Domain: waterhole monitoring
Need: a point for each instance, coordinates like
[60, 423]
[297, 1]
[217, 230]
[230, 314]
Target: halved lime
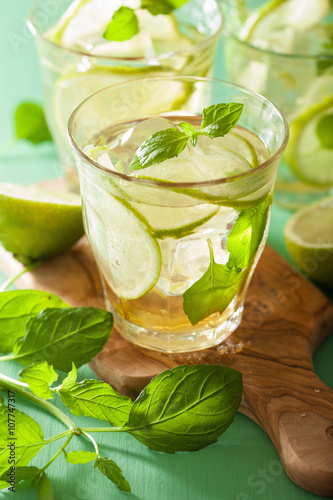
[309, 239]
[36, 223]
[127, 253]
[309, 159]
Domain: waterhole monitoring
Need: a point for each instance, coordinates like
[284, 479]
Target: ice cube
[84, 18]
[185, 261]
[125, 147]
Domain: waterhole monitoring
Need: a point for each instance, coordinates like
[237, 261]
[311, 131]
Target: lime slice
[309, 159]
[74, 88]
[84, 17]
[272, 22]
[37, 224]
[197, 168]
[128, 255]
[309, 239]
[176, 222]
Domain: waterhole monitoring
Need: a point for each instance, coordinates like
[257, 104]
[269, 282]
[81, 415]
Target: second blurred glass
[75, 64]
[283, 50]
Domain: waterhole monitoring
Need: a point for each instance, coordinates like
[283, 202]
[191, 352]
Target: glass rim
[223, 180]
[158, 57]
[304, 57]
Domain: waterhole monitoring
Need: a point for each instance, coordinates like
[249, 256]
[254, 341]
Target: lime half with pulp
[309, 239]
[36, 224]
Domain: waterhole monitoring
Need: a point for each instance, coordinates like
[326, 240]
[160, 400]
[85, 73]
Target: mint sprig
[217, 121]
[183, 409]
[125, 23]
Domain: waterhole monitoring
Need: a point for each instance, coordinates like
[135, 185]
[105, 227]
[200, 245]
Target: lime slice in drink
[176, 222]
[276, 22]
[36, 223]
[309, 153]
[72, 89]
[127, 253]
[309, 239]
[84, 22]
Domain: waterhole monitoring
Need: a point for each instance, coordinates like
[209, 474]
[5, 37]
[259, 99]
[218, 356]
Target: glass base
[178, 342]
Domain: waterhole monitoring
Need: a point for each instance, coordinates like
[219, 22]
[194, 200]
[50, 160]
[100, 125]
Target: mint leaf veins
[217, 121]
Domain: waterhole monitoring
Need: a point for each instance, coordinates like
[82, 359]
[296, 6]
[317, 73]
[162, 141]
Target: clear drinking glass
[154, 239]
[283, 50]
[70, 75]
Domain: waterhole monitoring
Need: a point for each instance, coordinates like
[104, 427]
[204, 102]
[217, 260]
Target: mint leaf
[96, 399]
[30, 123]
[156, 7]
[44, 488]
[39, 377]
[123, 26]
[213, 292]
[186, 408]
[324, 131]
[79, 457]
[21, 474]
[159, 147]
[63, 336]
[29, 439]
[70, 380]
[247, 233]
[16, 308]
[111, 470]
[219, 119]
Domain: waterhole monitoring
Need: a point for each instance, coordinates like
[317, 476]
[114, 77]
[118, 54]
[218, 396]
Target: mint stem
[93, 442]
[101, 429]
[22, 389]
[12, 279]
[58, 452]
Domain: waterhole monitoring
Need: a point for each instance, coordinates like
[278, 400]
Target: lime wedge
[308, 157]
[309, 239]
[36, 223]
[127, 253]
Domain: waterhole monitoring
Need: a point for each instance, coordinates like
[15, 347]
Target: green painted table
[243, 464]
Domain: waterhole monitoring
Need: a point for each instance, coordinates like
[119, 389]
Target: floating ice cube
[185, 261]
[124, 147]
[84, 18]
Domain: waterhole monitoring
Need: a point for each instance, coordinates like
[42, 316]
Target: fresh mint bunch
[217, 121]
[125, 24]
[183, 409]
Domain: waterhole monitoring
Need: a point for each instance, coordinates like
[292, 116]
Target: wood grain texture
[285, 320]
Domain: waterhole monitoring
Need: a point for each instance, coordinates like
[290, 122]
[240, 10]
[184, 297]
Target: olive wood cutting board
[285, 320]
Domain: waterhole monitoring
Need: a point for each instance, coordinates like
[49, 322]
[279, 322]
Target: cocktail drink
[77, 60]
[283, 49]
[177, 240]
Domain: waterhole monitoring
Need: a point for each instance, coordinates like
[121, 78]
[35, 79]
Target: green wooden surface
[243, 464]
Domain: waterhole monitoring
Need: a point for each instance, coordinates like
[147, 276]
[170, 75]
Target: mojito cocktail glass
[76, 61]
[177, 242]
[283, 50]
